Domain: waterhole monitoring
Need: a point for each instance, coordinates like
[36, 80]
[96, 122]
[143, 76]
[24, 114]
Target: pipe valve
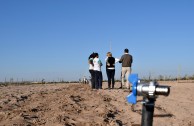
[149, 90]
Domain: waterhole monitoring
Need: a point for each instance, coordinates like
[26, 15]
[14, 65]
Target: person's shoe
[120, 87]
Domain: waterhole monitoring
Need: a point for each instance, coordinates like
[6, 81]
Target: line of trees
[169, 78]
[159, 78]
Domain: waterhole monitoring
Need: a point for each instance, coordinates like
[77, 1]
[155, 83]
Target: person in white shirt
[91, 69]
[97, 70]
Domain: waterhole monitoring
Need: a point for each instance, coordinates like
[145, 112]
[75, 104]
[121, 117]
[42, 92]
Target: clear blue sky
[52, 39]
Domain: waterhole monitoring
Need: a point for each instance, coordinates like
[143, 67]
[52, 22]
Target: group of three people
[96, 73]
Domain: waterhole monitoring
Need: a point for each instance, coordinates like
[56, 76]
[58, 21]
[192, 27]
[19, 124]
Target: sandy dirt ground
[78, 105]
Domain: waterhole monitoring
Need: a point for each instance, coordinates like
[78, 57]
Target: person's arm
[100, 62]
[90, 61]
[114, 62]
[107, 62]
[121, 60]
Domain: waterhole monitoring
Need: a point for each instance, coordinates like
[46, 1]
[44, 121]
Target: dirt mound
[79, 105]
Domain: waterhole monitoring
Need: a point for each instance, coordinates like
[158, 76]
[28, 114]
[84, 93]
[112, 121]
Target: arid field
[79, 105]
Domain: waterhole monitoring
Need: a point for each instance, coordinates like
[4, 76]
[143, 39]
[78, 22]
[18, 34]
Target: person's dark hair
[95, 54]
[126, 50]
[92, 55]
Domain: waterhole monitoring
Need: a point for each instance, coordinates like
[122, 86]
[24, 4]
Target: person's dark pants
[101, 79]
[98, 79]
[110, 74]
[92, 78]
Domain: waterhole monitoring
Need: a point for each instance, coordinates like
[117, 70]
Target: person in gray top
[126, 61]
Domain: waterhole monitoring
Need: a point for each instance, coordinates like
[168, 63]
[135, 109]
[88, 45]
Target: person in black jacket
[110, 69]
